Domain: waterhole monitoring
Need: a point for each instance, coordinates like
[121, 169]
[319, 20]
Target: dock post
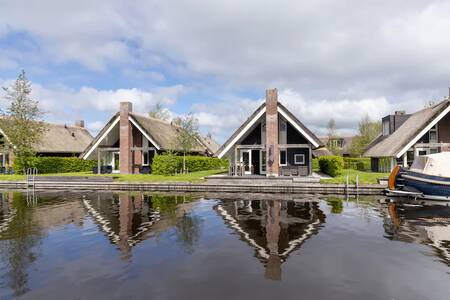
[357, 185]
[346, 185]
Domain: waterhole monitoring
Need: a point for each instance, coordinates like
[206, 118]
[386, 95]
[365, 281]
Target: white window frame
[285, 158]
[301, 162]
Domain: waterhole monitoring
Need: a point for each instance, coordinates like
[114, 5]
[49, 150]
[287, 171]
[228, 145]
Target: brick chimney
[79, 123]
[272, 132]
[125, 138]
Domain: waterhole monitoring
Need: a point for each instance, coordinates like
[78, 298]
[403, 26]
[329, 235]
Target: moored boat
[427, 178]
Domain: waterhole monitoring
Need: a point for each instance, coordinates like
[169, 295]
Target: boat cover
[433, 164]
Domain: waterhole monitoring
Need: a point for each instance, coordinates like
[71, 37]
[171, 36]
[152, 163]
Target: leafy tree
[23, 126]
[331, 128]
[187, 135]
[159, 112]
[368, 130]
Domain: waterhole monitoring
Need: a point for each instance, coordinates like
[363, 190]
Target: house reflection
[129, 218]
[427, 225]
[274, 228]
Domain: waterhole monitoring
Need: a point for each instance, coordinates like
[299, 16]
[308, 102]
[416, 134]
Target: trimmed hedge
[47, 165]
[331, 165]
[357, 163]
[315, 164]
[170, 164]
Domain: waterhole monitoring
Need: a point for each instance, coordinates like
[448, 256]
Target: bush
[169, 164]
[357, 163]
[165, 164]
[331, 165]
[315, 164]
[47, 165]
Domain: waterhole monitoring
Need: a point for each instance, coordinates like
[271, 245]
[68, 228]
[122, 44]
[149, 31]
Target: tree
[187, 135]
[331, 128]
[159, 112]
[368, 131]
[23, 127]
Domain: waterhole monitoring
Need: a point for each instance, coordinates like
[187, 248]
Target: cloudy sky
[339, 59]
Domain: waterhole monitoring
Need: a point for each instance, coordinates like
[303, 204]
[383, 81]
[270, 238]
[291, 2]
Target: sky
[327, 58]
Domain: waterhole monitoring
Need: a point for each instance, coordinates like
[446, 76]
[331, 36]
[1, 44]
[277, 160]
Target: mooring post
[357, 184]
[346, 185]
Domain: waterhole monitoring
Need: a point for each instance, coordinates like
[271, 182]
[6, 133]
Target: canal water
[154, 246]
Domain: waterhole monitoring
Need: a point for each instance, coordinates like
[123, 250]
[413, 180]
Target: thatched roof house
[57, 140]
[129, 141]
[423, 132]
[271, 142]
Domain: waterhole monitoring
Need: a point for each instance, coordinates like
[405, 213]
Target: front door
[116, 162]
[246, 160]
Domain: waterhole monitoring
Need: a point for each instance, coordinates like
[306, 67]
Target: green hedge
[357, 163]
[169, 164]
[331, 165]
[315, 164]
[47, 165]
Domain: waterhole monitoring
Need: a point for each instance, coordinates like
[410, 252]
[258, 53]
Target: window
[433, 134]
[283, 157]
[145, 158]
[299, 159]
[434, 150]
[282, 125]
[386, 128]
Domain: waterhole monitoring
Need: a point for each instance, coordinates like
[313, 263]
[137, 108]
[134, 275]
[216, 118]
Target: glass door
[246, 158]
[262, 162]
[116, 162]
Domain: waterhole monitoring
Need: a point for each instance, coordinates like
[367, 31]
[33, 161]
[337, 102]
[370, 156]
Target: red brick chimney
[272, 150]
[79, 123]
[125, 138]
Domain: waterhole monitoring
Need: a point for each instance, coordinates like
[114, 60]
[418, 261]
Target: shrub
[46, 165]
[357, 163]
[331, 165]
[165, 164]
[169, 164]
[315, 164]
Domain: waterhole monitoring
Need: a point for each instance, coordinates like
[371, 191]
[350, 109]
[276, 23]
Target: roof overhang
[242, 133]
[101, 138]
[139, 127]
[423, 131]
[297, 126]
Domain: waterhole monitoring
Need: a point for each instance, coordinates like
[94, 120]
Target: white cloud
[64, 105]
[329, 58]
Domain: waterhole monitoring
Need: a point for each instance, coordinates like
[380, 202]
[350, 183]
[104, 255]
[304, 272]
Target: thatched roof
[347, 145]
[322, 151]
[60, 138]
[393, 145]
[161, 132]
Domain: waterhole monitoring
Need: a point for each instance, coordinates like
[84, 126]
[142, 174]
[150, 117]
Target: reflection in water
[420, 224]
[275, 228]
[19, 237]
[35, 236]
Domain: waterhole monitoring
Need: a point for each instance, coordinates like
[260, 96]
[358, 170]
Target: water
[147, 246]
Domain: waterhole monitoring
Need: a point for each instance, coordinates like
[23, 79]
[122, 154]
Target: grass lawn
[364, 177]
[191, 177]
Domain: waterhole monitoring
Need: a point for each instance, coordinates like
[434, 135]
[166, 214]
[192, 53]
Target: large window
[299, 159]
[283, 157]
[433, 134]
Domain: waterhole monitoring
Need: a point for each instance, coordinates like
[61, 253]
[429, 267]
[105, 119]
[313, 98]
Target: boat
[427, 178]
